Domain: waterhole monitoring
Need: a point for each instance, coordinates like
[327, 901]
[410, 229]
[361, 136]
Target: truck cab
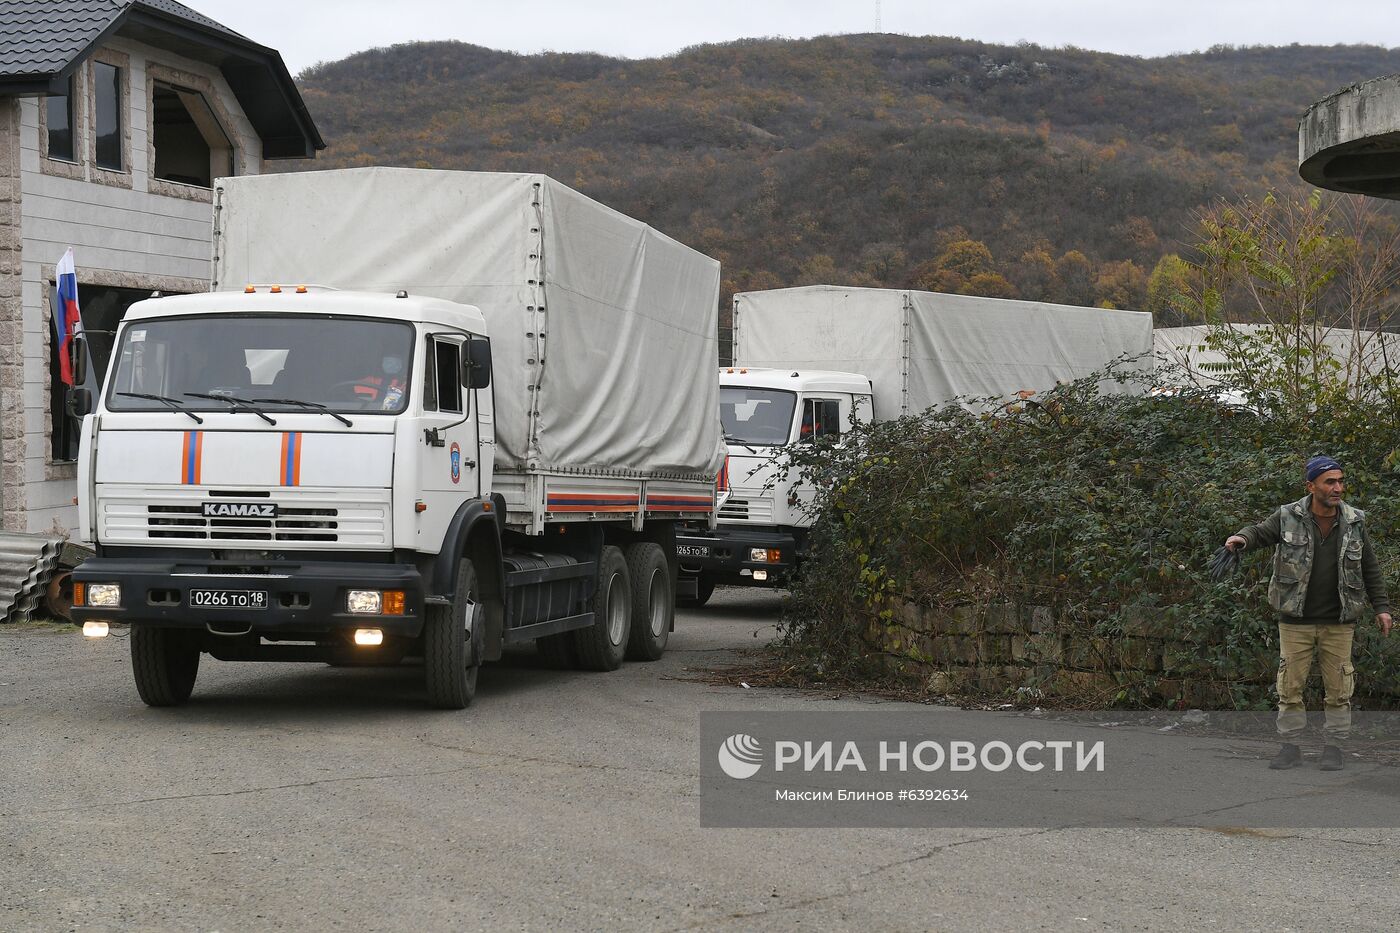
[761, 537]
[305, 474]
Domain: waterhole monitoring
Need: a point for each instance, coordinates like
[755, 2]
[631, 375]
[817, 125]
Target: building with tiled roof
[116, 118]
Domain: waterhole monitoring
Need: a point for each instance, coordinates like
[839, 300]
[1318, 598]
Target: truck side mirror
[79, 402]
[77, 359]
[476, 367]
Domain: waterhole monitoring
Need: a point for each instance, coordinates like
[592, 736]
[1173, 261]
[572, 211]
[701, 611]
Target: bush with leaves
[1103, 508]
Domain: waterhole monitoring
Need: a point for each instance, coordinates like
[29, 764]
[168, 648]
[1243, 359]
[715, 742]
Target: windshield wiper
[315, 406]
[731, 439]
[239, 404]
[172, 402]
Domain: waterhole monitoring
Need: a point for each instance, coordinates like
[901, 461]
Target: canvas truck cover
[921, 349]
[603, 331]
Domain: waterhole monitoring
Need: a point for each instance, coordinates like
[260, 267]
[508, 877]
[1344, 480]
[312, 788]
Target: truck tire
[450, 678]
[653, 601]
[602, 645]
[704, 589]
[165, 662]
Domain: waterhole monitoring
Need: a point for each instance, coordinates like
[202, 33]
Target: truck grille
[291, 524]
[341, 518]
[753, 511]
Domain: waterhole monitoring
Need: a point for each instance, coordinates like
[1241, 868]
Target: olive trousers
[1331, 645]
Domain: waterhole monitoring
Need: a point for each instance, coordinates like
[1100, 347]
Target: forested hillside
[1056, 174]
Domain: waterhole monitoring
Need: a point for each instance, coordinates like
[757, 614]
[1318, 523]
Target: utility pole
[877, 17]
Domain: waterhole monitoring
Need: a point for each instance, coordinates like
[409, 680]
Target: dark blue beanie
[1319, 465]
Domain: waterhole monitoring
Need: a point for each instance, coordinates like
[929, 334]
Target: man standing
[1324, 571]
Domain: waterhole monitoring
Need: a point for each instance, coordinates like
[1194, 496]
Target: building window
[109, 133]
[191, 147]
[59, 120]
[102, 310]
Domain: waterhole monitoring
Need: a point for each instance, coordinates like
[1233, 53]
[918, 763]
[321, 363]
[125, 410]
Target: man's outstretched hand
[1384, 620]
[1235, 543]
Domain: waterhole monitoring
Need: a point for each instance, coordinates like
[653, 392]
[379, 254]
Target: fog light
[104, 595]
[369, 637]
[95, 629]
[366, 601]
[760, 575]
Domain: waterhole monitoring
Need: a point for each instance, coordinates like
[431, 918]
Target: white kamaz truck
[810, 361]
[484, 433]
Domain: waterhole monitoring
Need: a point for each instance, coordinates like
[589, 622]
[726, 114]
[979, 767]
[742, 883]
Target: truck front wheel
[601, 646]
[653, 601]
[165, 662]
[450, 667]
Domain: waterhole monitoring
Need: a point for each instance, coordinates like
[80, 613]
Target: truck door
[449, 469]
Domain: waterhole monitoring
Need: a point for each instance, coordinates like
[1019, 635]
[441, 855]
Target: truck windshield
[756, 416]
[339, 364]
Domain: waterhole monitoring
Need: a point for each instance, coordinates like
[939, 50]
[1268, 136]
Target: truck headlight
[377, 602]
[369, 602]
[104, 595]
[765, 555]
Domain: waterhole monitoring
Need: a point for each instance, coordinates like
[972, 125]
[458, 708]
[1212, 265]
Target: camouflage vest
[1293, 559]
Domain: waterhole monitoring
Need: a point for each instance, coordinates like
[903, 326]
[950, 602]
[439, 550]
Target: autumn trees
[1047, 174]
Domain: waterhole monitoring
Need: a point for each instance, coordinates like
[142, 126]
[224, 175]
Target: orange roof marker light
[301, 289]
[248, 289]
[276, 289]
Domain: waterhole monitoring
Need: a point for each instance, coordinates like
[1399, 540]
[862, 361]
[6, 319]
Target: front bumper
[727, 557]
[302, 599]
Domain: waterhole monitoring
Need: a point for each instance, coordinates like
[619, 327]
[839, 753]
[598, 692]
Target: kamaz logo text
[240, 510]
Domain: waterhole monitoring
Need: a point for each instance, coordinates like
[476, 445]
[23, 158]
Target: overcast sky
[309, 31]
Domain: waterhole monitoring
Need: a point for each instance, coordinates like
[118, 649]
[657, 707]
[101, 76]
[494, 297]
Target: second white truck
[810, 361]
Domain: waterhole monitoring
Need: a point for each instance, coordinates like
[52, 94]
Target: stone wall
[12, 441]
[1000, 648]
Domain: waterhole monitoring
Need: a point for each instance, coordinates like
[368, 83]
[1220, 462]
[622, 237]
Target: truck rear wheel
[601, 646]
[704, 589]
[450, 669]
[653, 601]
[165, 662]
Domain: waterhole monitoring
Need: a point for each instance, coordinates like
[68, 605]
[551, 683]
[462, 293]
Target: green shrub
[1102, 508]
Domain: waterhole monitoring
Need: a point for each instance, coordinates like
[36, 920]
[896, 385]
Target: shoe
[1331, 759]
[1290, 756]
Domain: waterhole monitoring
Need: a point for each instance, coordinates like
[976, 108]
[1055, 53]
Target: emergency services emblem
[456, 458]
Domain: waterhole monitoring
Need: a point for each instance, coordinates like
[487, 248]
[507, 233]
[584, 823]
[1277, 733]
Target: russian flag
[67, 319]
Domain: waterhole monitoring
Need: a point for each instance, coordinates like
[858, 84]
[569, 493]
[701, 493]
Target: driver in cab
[384, 388]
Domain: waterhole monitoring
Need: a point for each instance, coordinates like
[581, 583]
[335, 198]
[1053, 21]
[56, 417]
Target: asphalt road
[305, 797]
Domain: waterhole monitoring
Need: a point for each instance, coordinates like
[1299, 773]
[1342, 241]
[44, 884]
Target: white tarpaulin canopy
[603, 331]
[1189, 355]
[922, 349]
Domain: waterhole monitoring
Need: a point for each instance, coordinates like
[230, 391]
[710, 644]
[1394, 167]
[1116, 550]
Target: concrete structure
[1350, 141]
[115, 116]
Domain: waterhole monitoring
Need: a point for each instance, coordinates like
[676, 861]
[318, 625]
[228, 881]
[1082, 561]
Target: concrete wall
[127, 229]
